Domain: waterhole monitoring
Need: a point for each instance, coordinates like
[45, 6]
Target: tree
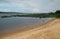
[57, 12]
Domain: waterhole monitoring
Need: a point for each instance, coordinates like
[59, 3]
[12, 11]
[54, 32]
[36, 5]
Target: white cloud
[55, 5]
[30, 5]
[5, 10]
[36, 10]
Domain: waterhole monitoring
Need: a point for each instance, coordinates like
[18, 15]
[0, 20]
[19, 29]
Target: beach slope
[50, 30]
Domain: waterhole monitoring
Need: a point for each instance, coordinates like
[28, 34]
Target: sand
[50, 30]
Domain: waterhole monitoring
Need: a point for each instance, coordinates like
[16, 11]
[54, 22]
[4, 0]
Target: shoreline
[22, 31]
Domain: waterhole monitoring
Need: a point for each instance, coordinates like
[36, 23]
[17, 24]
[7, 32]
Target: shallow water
[15, 23]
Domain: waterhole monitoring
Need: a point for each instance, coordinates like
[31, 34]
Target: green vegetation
[41, 15]
[57, 14]
[5, 16]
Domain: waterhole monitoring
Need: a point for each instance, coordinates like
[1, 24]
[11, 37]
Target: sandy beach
[50, 30]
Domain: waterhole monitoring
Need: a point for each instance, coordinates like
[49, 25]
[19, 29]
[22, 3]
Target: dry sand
[50, 30]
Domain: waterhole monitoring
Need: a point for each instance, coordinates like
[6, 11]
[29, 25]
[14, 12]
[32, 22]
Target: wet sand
[50, 30]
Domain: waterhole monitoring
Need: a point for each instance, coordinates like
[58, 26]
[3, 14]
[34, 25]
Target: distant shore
[49, 30]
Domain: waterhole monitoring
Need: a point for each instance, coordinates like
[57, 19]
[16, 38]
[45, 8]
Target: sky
[29, 6]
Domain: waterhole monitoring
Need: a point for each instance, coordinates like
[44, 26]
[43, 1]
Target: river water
[15, 23]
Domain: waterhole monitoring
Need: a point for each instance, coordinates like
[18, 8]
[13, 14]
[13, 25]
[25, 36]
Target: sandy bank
[51, 30]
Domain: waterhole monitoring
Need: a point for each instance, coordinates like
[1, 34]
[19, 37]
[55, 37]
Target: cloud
[35, 10]
[30, 5]
[5, 10]
[23, 5]
[55, 5]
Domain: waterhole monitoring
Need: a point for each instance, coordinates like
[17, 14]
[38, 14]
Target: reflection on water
[15, 23]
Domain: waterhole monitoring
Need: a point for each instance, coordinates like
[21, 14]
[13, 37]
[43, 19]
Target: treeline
[11, 13]
[57, 14]
[41, 15]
